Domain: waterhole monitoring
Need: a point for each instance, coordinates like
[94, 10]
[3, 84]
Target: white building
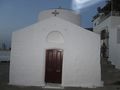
[108, 25]
[55, 50]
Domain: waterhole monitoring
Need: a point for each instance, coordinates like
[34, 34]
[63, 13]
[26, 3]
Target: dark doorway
[104, 44]
[53, 69]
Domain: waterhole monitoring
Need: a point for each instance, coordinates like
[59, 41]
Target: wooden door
[53, 70]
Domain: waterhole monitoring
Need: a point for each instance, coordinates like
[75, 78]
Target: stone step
[106, 62]
[112, 82]
[107, 77]
[107, 67]
[52, 86]
[109, 74]
[110, 79]
[112, 70]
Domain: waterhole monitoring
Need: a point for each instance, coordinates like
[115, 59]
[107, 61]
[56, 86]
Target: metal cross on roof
[55, 13]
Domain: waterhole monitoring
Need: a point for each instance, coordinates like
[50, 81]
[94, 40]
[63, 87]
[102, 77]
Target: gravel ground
[4, 79]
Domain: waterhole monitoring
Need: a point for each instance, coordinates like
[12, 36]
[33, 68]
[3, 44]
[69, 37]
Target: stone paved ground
[4, 77]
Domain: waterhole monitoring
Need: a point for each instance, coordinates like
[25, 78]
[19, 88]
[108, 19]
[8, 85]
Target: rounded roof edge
[67, 14]
[60, 8]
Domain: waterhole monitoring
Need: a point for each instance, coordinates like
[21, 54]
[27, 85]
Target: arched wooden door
[53, 68]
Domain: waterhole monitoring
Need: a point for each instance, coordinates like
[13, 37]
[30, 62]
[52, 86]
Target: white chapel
[55, 50]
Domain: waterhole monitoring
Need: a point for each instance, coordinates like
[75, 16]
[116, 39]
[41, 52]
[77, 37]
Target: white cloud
[78, 5]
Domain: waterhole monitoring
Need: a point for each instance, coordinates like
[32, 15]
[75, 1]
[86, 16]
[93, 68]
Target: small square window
[118, 36]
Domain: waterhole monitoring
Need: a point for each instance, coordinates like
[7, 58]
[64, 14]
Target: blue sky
[16, 14]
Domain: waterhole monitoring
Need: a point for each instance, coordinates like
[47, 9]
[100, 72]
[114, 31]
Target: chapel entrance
[53, 68]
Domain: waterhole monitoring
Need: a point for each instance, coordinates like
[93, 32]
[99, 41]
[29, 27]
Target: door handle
[57, 70]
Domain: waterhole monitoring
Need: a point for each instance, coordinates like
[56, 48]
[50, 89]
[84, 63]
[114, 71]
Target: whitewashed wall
[81, 59]
[114, 46]
[4, 55]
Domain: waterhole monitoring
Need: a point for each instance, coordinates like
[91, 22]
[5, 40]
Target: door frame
[59, 49]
